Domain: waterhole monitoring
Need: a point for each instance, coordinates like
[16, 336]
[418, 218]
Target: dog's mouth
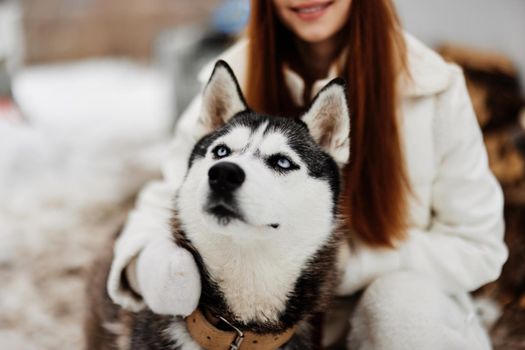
[223, 212]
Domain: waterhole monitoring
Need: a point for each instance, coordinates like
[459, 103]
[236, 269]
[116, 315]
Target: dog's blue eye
[284, 163]
[281, 163]
[221, 151]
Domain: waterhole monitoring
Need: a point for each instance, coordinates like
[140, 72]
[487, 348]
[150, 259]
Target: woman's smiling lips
[311, 10]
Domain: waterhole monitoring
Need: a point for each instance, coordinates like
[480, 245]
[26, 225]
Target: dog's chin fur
[239, 231]
[253, 273]
[257, 284]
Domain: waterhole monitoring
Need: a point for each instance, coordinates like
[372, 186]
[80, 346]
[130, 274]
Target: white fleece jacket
[456, 211]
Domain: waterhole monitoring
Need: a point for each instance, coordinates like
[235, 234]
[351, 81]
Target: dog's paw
[168, 278]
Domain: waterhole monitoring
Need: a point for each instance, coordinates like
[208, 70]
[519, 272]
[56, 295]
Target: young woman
[426, 213]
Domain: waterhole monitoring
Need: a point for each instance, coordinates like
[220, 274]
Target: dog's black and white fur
[258, 210]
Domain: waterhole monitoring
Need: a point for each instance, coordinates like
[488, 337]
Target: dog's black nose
[225, 177]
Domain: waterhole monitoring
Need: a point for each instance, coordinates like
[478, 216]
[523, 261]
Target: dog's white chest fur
[256, 279]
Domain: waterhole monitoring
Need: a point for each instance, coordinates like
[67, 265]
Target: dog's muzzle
[224, 179]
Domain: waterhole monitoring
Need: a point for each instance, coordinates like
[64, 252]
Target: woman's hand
[168, 278]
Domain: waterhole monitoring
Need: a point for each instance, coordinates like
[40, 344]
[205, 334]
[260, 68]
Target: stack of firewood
[495, 91]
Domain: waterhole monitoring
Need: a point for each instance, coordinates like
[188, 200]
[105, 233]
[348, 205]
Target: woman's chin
[314, 35]
[314, 39]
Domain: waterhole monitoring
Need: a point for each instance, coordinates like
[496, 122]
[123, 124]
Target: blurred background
[89, 94]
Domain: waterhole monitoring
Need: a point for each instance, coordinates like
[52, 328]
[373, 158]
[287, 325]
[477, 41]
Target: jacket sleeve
[150, 217]
[463, 247]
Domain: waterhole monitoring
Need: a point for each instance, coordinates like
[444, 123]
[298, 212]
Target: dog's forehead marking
[237, 138]
[274, 142]
[243, 138]
[256, 138]
[265, 141]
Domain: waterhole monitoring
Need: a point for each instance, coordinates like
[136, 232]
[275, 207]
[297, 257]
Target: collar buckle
[236, 344]
[239, 338]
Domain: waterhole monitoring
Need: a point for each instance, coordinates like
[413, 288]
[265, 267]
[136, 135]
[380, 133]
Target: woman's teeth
[311, 9]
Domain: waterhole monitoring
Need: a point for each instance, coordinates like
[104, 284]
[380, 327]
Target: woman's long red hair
[376, 185]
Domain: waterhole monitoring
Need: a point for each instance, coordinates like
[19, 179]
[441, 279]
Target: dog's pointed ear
[328, 120]
[222, 99]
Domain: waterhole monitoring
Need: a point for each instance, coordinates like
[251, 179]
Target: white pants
[405, 311]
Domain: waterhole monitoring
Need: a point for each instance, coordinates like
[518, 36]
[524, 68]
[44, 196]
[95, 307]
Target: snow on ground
[93, 133]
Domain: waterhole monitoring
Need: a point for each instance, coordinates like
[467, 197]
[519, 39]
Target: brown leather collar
[211, 338]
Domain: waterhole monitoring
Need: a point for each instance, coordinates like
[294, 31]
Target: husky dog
[258, 211]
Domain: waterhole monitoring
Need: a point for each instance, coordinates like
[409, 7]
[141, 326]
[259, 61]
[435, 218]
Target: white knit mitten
[168, 278]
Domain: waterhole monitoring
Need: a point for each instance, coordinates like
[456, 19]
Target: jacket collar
[428, 73]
